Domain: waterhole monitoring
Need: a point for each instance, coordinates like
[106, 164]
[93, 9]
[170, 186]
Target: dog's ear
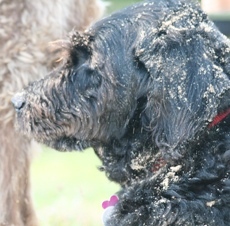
[188, 81]
[74, 51]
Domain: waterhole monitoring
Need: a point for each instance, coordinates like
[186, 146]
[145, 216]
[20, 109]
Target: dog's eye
[85, 78]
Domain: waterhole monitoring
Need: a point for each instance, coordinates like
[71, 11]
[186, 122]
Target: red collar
[160, 162]
[217, 119]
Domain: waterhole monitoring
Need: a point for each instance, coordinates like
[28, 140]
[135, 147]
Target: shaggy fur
[142, 87]
[26, 28]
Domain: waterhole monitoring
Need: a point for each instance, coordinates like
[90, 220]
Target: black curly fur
[141, 87]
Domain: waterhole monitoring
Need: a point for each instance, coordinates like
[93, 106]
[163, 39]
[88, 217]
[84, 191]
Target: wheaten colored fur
[26, 27]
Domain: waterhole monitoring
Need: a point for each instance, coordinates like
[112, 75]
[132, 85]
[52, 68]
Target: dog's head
[159, 68]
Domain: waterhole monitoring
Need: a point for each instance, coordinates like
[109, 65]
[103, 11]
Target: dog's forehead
[155, 15]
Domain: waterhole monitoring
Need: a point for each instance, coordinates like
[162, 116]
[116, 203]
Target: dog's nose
[18, 101]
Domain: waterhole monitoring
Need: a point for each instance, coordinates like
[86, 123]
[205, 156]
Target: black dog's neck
[126, 160]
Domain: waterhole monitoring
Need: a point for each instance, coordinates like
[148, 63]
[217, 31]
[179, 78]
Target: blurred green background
[67, 188]
[119, 4]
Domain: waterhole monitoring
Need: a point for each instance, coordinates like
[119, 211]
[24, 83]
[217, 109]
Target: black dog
[148, 88]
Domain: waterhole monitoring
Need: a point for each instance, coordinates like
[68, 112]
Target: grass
[119, 4]
[67, 187]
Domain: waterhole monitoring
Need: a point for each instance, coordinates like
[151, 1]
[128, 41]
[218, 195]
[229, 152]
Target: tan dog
[26, 27]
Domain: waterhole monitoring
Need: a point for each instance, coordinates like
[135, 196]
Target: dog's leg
[16, 206]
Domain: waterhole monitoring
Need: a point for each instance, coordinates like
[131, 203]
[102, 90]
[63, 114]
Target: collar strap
[160, 162]
[218, 118]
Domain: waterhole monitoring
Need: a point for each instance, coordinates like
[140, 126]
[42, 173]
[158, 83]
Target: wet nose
[18, 101]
